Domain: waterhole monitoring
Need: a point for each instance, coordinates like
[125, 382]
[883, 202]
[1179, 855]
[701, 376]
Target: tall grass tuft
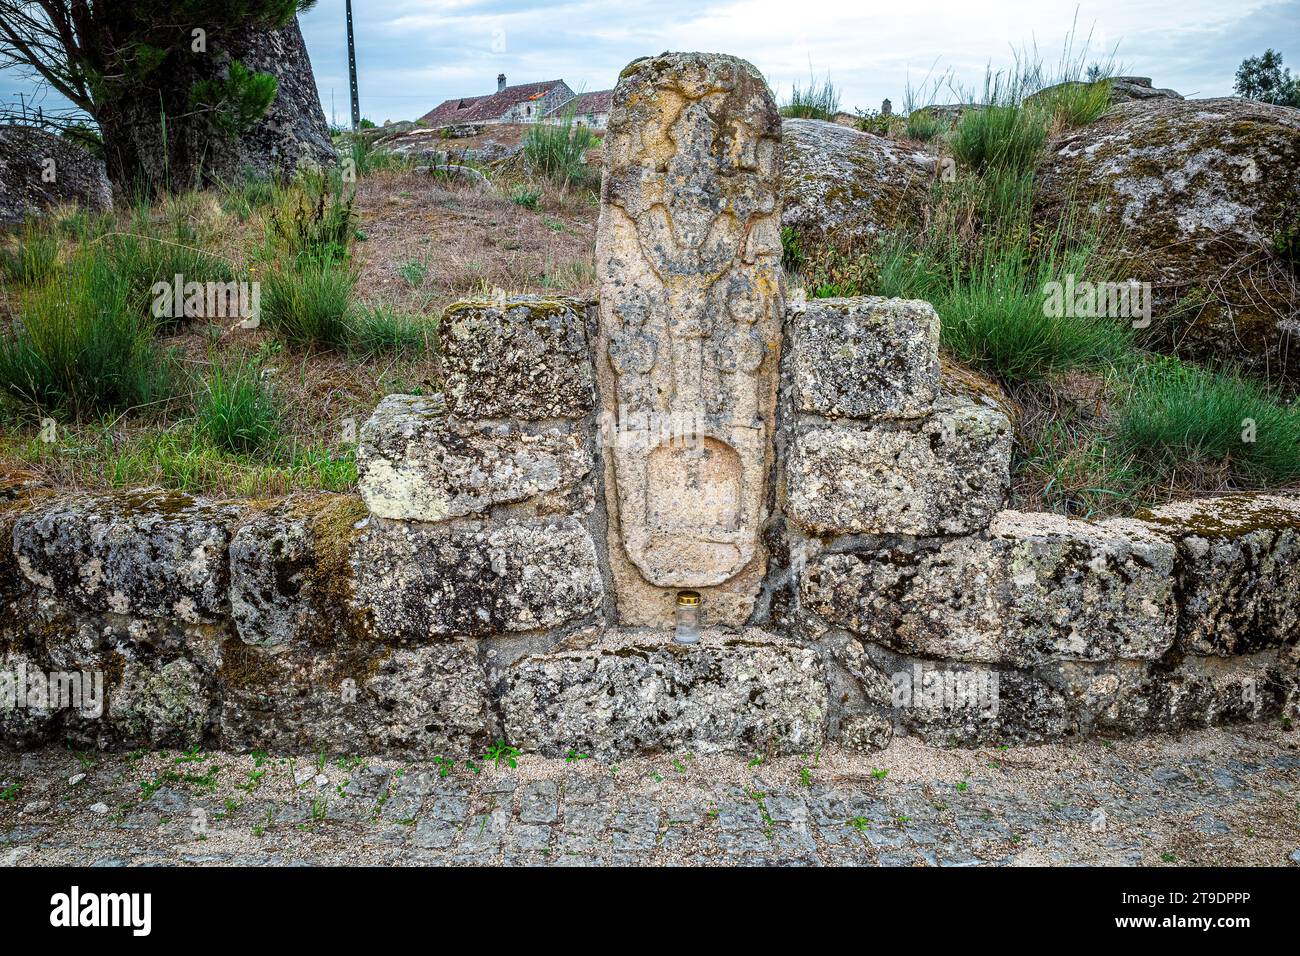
[382, 329]
[312, 220]
[234, 408]
[145, 259]
[1177, 418]
[1072, 104]
[78, 345]
[815, 101]
[1004, 136]
[31, 256]
[923, 125]
[996, 321]
[309, 305]
[557, 150]
[368, 158]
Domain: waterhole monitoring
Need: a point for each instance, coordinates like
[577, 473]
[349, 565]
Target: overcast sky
[412, 54]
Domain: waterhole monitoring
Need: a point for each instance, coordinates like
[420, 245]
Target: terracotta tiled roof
[597, 102]
[480, 109]
[450, 111]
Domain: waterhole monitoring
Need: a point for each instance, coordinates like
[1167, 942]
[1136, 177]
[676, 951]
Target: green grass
[1081, 471]
[144, 259]
[383, 329]
[368, 158]
[79, 347]
[311, 221]
[814, 101]
[234, 409]
[999, 136]
[1073, 103]
[251, 194]
[181, 458]
[310, 305]
[995, 321]
[1177, 418]
[556, 151]
[923, 125]
[31, 256]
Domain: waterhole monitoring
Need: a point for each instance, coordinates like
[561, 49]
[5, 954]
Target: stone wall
[468, 594]
[511, 566]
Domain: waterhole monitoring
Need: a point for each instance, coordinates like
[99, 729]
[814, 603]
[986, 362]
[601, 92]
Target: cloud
[412, 54]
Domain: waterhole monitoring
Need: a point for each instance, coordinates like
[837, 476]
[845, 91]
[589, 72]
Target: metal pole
[352, 72]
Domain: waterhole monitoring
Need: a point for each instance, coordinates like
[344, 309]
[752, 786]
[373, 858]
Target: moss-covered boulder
[849, 186]
[1191, 194]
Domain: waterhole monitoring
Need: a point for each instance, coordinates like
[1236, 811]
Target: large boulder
[293, 134]
[1190, 194]
[848, 185]
[39, 170]
[1123, 89]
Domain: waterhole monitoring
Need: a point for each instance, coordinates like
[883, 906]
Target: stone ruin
[512, 567]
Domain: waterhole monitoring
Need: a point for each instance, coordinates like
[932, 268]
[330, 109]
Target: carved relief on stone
[689, 260]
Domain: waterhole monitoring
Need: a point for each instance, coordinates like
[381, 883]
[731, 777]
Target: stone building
[589, 109]
[524, 103]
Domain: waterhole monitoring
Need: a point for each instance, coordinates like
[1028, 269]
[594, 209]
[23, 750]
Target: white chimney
[501, 82]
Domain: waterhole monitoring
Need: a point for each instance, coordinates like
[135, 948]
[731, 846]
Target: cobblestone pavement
[1210, 797]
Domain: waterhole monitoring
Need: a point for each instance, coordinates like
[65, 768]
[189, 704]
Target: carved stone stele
[688, 256]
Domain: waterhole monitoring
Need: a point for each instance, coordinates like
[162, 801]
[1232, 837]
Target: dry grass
[466, 238]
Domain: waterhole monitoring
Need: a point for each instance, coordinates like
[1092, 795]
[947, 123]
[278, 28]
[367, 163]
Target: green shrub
[234, 409]
[870, 121]
[525, 196]
[31, 256]
[309, 305]
[816, 101]
[557, 150]
[1286, 240]
[834, 273]
[1177, 417]
[923, 125]
[79, 346]
[236, 101]
[792, 256]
